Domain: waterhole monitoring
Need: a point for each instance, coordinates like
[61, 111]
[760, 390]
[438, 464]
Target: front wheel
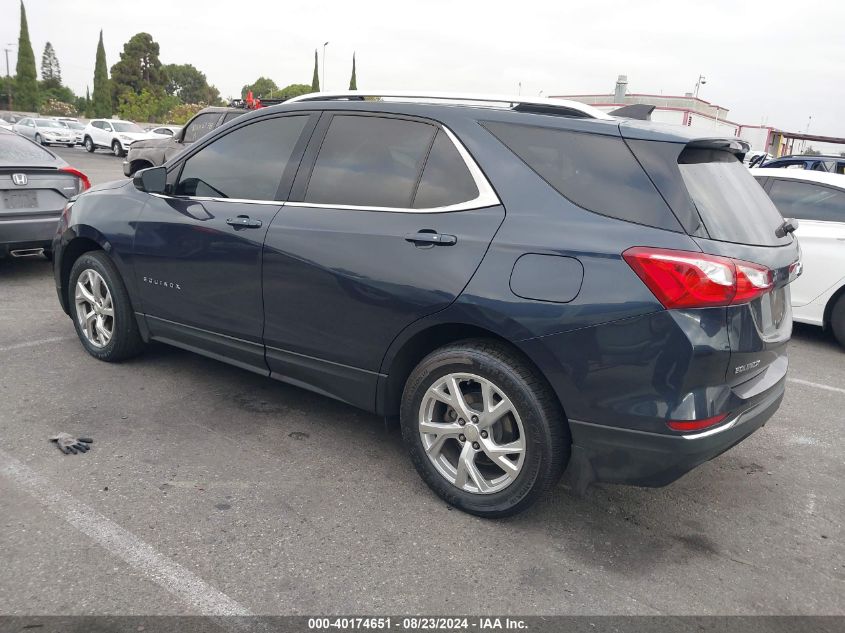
[70, 144]
[837, 320]
[89, 145]
[39, 140]
[117, 149]
[483, 428]
[101, 310]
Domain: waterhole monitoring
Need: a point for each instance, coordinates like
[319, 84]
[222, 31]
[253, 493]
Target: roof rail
[540, 105]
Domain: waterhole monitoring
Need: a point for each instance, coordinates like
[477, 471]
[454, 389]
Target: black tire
[39, 140]
[125, 341]
[89, 145]
[837, 320]
[117, 149]
[547, 437]
[48, 254]
[70, 144]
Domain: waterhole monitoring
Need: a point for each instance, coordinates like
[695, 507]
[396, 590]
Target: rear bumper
[31, 232]
[619, 455]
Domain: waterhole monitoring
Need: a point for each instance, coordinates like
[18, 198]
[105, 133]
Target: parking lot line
[817, 385]
[184, 584]
[43, 341]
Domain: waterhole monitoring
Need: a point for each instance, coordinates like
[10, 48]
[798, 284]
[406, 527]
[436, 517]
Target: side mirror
[151, 180]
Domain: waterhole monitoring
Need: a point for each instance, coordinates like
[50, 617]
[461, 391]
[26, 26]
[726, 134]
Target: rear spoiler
[733, 145]
[639, 111]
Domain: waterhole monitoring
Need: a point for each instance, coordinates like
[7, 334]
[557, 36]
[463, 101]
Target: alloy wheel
[94, 308]
[472, 433]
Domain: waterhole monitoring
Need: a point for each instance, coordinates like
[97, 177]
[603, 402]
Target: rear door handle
[426, 238]
[243, 222]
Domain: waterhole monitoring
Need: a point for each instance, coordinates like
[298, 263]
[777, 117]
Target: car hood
[55, 130]
[138, 136]
[154, 140]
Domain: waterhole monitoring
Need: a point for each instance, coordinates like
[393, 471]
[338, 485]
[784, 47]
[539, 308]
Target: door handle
[243, 222]
[430, 238]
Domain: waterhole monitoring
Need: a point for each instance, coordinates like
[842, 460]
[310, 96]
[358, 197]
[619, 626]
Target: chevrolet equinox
[529, 285]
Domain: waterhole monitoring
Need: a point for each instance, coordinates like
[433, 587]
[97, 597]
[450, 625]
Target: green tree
[353, 80]
[101, 100]
[261, 87]
[50, 69]
[139, 68]
[180, 114]
[26, 83]
[811, 151]
[315, 80]
[190, 85]
[51, 89]
[293, 90]
[145, 106]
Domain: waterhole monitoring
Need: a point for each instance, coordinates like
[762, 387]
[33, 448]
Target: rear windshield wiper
[789, 225]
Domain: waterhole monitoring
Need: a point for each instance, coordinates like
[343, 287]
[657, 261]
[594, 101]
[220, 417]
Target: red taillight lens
[683, 279]
[696, 425]
[84, 183]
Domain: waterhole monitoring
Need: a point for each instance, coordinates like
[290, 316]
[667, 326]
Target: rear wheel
[101, 310]
[117, 149]
[89, 144]
[483, 429]
[837, 320]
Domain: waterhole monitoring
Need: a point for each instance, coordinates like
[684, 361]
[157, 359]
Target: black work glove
[69, 444]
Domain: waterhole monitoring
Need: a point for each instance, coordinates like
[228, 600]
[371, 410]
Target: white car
[166, 130]
[114, 135]
[75, 127]
[817, 200]
[44, 131]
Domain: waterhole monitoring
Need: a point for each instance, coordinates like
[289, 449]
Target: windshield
[47, 123]
[732, 205]
[125, 126]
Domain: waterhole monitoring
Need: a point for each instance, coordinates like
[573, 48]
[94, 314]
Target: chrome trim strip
[486, 196]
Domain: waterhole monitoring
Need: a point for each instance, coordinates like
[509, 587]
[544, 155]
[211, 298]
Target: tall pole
[701, 80]
[324, 66]
[8, 78]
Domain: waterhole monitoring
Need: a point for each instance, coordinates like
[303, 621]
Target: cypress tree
[353, 81]
[50, 69]
[315, 80]
[26, 81]
[101, 101]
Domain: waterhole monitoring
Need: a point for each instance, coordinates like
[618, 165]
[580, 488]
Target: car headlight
[123, 137]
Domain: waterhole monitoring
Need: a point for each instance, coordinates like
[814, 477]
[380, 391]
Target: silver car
[35, 185]
[75, 127]
[45, 131]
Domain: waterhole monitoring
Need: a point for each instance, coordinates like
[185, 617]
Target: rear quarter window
[594, 171]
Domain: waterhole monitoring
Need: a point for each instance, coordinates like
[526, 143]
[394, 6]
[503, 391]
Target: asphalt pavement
[212, 490]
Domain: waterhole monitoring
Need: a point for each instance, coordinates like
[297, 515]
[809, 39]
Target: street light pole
[324, 66]
[701, 81]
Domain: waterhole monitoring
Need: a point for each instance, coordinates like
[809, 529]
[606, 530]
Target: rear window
[16, 151]
[732, 205]
[594, 171]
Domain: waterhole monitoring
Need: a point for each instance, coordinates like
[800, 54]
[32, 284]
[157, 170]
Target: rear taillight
[683, 279]
[696, 425]
[84, 183]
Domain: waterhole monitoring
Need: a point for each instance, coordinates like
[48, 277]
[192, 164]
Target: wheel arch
[75, 243]
[138, 164]
[403, 356]
[828, 308]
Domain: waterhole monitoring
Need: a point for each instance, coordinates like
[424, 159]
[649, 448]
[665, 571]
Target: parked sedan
[830, 164]
[817, 200]
[35, 185]
[45, 131]
[626, 316]
[156, 151]
[75, 127]
[166, 130]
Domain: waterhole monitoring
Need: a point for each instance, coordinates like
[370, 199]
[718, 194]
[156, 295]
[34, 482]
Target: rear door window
[594, 171]
[245, 164]
[369, 161]
[808, 201]
[445, 179]
[732, 205]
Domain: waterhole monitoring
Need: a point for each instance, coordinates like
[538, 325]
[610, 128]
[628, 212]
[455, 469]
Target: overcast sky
[773, 61]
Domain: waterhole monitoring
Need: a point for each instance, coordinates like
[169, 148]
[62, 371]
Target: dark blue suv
[526, 284]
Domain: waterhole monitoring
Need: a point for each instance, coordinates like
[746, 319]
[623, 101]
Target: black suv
[526, 284]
